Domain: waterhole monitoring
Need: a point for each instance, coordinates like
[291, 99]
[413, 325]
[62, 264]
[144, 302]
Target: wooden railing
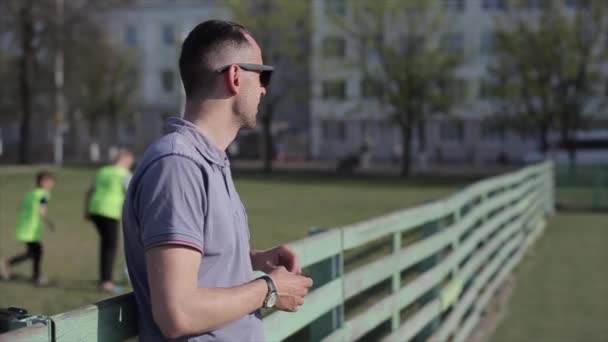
[439, 264]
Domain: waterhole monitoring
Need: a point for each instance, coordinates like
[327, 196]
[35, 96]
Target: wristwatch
[271, 296]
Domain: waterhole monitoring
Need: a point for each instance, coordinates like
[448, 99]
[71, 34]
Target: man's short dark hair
[42, 175]
[205, 38]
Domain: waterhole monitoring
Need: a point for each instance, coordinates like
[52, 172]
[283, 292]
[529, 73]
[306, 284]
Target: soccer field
[281, 209]
[561, 286]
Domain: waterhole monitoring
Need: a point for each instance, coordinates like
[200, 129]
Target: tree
[20, 15]
[35, 33]
[400, 56]
[103, 78]
[282, 30]
[546, 72]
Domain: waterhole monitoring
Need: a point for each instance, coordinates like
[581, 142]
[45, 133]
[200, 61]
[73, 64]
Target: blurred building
[343, 117]
[154, 30]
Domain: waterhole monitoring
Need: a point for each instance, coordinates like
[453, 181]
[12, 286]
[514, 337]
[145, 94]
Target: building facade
[154, 30]
[343, 118]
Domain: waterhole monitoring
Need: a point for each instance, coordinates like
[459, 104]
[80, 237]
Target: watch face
[272, 299]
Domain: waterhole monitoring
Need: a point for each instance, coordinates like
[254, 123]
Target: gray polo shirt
[182, 193]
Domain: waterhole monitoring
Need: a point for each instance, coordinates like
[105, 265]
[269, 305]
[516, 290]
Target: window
[411, 43]
[340, 130]
[535, 4]
[576, 3]
[451, 131]
[373, 45]
[334, 47]
[488, 42]
[456, 89]
[333, 130]
[486, 89]
[493, 4]
[325, 130]
[453, 43]
[167, 80]
[130, 36]
[335, 90]
[168, 34]
[335, 7]
[454, 5]
[493, 132]
[371, 88]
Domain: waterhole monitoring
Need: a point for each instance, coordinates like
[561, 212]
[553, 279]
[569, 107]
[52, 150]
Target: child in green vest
[103, 207]
[30, 226]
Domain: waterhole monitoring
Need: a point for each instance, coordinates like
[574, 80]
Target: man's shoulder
[171, 152]
[172, 144]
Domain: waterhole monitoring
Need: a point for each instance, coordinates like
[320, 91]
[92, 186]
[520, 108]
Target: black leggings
[34, 252]
[108, 232]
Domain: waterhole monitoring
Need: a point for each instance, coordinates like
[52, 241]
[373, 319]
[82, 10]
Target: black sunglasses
[264, 70]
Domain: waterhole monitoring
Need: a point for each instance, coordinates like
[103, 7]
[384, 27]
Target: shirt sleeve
[171, 203]
[44, 201]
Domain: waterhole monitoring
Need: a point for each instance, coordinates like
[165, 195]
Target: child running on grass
[30, 224]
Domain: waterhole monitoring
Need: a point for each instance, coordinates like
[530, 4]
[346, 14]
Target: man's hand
[267, 261]
[291, 289]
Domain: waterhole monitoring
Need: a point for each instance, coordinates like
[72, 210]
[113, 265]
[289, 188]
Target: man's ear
[232, 77]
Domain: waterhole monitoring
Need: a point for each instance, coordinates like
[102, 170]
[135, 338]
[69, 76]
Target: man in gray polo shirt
[185, 228]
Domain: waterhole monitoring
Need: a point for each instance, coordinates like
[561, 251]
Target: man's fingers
[295, 267]
[307, 281]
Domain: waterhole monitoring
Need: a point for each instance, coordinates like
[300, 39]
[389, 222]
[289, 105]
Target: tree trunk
[568, 142]
[25, 89]
[267, 142]
[406, 159]
[422, 136]
[543, 139]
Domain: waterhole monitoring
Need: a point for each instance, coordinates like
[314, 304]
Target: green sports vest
[29, 223]
[109, 193]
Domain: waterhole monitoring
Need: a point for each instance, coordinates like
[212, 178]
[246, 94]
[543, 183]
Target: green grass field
[280, 208]
[561, 291]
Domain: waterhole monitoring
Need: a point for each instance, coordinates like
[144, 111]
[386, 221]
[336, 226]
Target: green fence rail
[423, 272]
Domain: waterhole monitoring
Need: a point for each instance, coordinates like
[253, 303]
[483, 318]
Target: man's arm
[180, 307]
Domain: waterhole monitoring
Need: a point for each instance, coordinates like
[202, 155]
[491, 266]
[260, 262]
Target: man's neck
[214, 122]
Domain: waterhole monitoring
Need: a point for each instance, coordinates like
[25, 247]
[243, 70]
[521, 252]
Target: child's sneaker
[112, 288]
[40, 281]
[5, 273]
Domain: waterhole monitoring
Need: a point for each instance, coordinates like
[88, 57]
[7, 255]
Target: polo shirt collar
[201, 142]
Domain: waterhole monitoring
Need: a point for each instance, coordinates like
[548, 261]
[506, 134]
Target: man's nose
[263, 91]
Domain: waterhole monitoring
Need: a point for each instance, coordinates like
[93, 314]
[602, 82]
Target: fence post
[396, 318]
[550, 180]
[597, 186]
[322, 273]
[428, 230]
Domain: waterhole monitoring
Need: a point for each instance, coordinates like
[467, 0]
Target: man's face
[248, 102]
